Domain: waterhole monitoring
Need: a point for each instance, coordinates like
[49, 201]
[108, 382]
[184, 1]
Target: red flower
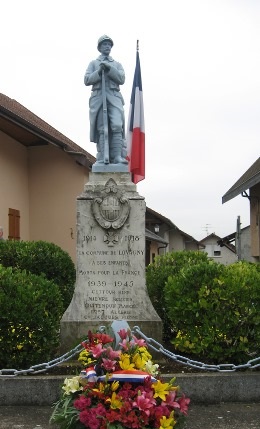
[82, 402]
[103, 338]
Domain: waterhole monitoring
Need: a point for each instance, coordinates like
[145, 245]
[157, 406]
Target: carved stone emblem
[111, 208]
[111, 238]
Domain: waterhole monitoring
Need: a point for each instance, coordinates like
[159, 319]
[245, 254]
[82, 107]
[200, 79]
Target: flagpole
[136, 129]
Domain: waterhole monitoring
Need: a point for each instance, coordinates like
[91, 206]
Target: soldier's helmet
[103, 38]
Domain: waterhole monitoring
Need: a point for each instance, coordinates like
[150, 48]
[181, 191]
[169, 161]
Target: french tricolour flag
[135, 129]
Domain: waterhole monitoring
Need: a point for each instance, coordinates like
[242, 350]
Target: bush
[157, 275]
[31, 308]
[215, 310]
[41, 257]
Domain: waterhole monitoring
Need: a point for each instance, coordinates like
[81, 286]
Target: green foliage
[41, 257]
[157, 275]
[65, 414]
[31, 308]
[215, 310]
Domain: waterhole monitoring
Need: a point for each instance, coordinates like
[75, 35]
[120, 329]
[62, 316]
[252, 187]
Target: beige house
[248, 186]
[42, 173]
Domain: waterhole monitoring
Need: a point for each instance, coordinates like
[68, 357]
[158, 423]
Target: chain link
[153, 344]
[252, 364]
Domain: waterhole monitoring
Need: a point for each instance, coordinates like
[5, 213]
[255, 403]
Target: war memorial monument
[110, 283]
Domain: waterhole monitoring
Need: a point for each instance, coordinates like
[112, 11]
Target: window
[217, 253]
[14, 224]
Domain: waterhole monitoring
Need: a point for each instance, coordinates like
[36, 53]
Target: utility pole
[238, 239]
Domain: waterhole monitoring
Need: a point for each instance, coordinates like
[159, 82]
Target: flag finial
[137, 45]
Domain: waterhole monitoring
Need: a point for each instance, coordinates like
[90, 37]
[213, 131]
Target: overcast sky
[200, 63]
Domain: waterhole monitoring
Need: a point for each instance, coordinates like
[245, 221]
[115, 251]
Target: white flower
[71, 385]
[151, 368]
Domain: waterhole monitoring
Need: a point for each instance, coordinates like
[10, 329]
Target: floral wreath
[119, 389]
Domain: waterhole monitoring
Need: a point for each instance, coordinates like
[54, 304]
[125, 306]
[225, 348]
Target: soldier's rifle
[105, 120]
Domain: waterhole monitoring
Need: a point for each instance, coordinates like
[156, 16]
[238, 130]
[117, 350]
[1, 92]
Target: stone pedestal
[110, 282]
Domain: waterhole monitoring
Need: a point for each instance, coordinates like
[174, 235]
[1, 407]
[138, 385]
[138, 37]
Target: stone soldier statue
[106, 111]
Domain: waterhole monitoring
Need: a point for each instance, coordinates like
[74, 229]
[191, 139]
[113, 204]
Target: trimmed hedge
[31, 308]
[210, 310]
[157, 275]
[41, 258]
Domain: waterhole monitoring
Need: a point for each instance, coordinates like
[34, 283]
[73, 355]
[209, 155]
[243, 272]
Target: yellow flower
[115, 401]
[161, 390]
[114, 386]
[125, 362]
[71, 385]
[86, 358]
[146, 355]
[139, 361]
[101, 388]
[167, 423]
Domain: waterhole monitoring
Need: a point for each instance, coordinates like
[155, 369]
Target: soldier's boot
[116, 149]
[100, 149]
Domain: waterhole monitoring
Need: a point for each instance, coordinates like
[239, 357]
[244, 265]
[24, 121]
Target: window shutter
[14, 224]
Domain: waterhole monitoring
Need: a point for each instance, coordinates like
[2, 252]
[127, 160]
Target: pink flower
[97, 350]
[184, 402]
[139, 342]
[124, 344]
[144, 402]
[171, 400]
[109, 364]
[123, 334]
[112, 354]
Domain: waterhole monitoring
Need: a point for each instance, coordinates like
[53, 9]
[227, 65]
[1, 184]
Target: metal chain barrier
[153, 344]
[42, 367]
[251, 364]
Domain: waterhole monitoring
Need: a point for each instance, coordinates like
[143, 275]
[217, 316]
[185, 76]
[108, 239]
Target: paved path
[223, 416]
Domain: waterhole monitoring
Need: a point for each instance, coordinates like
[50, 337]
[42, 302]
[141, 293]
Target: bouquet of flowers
[119, 389]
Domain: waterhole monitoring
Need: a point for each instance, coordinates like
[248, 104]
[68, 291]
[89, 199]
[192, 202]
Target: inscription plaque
[110, 281]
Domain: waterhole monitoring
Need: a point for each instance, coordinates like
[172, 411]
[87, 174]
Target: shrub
[41, 257]
[31, 308]
[215, 310]
[157, 275]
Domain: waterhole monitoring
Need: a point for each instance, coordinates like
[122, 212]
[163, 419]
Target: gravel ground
[222, 416]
